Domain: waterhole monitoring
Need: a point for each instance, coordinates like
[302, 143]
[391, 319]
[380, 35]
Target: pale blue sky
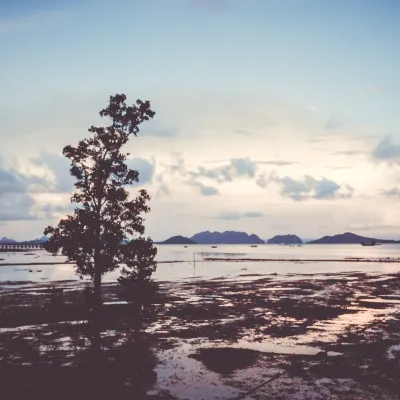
[276, 69]
[342, 55]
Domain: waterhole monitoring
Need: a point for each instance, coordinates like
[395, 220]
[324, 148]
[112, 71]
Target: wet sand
[329, 336]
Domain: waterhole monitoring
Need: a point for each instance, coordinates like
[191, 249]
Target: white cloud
[264, 172]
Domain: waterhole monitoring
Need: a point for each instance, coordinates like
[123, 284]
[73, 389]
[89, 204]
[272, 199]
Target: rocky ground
[255, 337]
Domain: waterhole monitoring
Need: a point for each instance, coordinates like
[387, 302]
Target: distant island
[178, 240]
[227, 237]
[234, 237]
[5, 240]
[207, 237]
[349, 238]
[285, 239]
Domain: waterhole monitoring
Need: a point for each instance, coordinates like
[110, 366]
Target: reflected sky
[207, 270]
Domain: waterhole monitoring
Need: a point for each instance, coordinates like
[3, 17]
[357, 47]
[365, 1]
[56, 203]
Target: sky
[272, 116]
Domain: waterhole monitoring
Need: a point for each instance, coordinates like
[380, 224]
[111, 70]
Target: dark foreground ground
[316, 336]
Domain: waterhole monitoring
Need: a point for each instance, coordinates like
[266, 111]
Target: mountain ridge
[285, 239]
[349, 238]
[177, 240]
[6, 240]
[226, 237]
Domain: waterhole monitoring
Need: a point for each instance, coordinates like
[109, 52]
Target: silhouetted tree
[106, 228]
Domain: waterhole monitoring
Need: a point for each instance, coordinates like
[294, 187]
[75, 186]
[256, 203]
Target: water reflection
[69, 360]
[194, 268]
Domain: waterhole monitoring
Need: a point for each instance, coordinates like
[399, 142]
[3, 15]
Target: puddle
[31, 327]
[379, 300]
[187, 378]
[271, 347]
[393, 351]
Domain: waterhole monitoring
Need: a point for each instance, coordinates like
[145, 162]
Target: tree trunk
[97, 300]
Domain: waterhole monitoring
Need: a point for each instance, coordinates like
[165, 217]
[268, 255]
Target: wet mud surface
[333, 336]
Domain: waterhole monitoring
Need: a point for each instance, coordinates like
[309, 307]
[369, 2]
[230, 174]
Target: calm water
[200, 270]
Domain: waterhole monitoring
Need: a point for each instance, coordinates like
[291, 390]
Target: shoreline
[222, 259]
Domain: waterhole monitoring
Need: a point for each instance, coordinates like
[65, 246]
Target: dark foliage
[107, 228]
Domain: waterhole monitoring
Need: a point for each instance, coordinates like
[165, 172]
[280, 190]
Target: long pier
[20, 246]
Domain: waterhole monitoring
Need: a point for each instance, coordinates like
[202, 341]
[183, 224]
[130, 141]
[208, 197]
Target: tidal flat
[253, 336]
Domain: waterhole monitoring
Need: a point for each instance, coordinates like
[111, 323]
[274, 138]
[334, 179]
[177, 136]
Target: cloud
[162, 187]
[204, 190]
[63, 182]
[59, 166]
[337, 167]
[237, 215]
[147, 131]
[387, 151]
[311, 188]
[253, 214]
[243, 132]
[394, 192]
[15, 201]
[264, 179]
[52, 211]
[236, 167]
[145, 168]
[11, 182]
[349, 152]
[278, 163]
[299, 190]
[334, 123]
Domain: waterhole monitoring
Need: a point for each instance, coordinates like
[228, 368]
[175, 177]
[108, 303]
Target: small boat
[213, 247]
[253, 245]
[185, 247]
[370, 243]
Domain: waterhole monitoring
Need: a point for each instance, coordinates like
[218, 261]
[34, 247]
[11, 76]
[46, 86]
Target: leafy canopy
[106, 228]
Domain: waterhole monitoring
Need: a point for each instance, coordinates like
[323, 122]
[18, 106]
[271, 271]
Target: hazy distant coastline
[233, 237]
[236, 237]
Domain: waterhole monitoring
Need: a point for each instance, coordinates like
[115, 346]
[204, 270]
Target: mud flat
[253, 337]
